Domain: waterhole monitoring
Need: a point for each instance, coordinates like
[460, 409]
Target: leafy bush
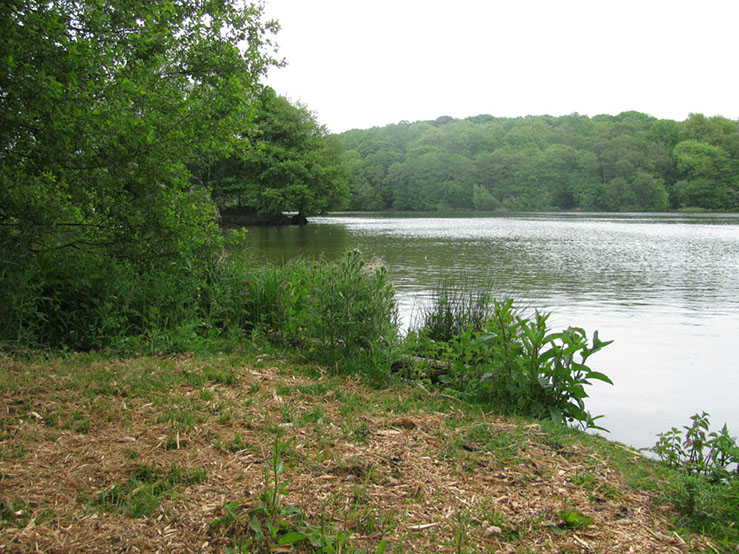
[351, 308]
[517, 364]
[85, 302]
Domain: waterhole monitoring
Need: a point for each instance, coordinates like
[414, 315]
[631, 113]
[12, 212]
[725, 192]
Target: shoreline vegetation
[294, 417]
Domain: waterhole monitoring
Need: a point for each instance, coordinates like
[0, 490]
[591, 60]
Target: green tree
[482, 200]
[717, 130]
[288, 162]
[102, 106]
[433, 181]
[371, 160]
[558, 170]
[528, 133]
[709, 176]
[366, 180]
[612, 163]
[650, 193]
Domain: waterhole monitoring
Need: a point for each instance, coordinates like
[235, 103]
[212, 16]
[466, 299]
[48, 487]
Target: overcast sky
[362, 63]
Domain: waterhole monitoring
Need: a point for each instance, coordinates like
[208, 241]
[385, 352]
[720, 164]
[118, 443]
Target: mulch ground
[384, 475]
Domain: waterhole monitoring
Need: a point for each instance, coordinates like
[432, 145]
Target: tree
[650, 192]
[707, 172]
[288, 162]
[367, 177]
[715, 130]
[434, 181]
[482, 200]
[102, 107]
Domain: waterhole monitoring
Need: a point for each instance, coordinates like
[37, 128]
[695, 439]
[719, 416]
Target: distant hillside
[628, 162]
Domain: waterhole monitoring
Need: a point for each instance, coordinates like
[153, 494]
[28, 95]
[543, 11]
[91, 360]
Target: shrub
[351, 307]
[518, 364]
[340, 312]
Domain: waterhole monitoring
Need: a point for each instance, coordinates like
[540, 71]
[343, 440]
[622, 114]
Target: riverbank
[663, 287]
[204, 453]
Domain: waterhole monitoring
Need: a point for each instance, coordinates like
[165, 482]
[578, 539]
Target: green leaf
[600, 377]
[291, 538]
[381, 547]
[556, 414]
[256, 527]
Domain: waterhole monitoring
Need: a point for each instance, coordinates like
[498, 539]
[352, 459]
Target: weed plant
[273, 524]
[705, 491]
[697, 451]
[509, 360]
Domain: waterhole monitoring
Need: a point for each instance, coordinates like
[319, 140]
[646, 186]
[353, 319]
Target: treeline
[627, 162]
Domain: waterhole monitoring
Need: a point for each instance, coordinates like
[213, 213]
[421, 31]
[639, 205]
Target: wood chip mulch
[410, 479]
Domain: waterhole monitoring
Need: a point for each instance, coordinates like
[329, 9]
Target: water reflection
[665, 287]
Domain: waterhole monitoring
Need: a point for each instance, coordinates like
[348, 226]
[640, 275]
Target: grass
[145, 488]
[183, 449]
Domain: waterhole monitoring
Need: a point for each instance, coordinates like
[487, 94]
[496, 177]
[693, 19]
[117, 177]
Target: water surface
[664, 287]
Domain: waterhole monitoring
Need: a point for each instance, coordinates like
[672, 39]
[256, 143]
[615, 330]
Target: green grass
[215, 402]
[146, 486]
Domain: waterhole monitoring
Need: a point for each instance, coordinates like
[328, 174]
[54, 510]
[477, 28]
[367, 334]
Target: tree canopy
[628, 162]
[288, 162]
[103, 105]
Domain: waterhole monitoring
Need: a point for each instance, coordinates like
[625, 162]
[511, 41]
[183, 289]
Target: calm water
[664, 287]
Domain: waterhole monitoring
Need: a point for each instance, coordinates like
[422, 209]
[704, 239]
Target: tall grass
[455, 305]
[352, 308]
[339, 313]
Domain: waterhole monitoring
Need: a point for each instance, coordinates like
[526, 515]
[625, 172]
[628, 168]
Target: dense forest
[627, 162]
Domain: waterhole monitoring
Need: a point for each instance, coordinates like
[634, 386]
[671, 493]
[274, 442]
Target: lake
[664, 287]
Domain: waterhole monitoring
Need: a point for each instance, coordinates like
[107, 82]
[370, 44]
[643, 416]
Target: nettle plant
[699, 451]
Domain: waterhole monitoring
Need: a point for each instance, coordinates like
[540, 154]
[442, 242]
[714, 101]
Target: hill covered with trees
[628, 162]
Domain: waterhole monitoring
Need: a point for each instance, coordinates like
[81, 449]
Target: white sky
[361, 63]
